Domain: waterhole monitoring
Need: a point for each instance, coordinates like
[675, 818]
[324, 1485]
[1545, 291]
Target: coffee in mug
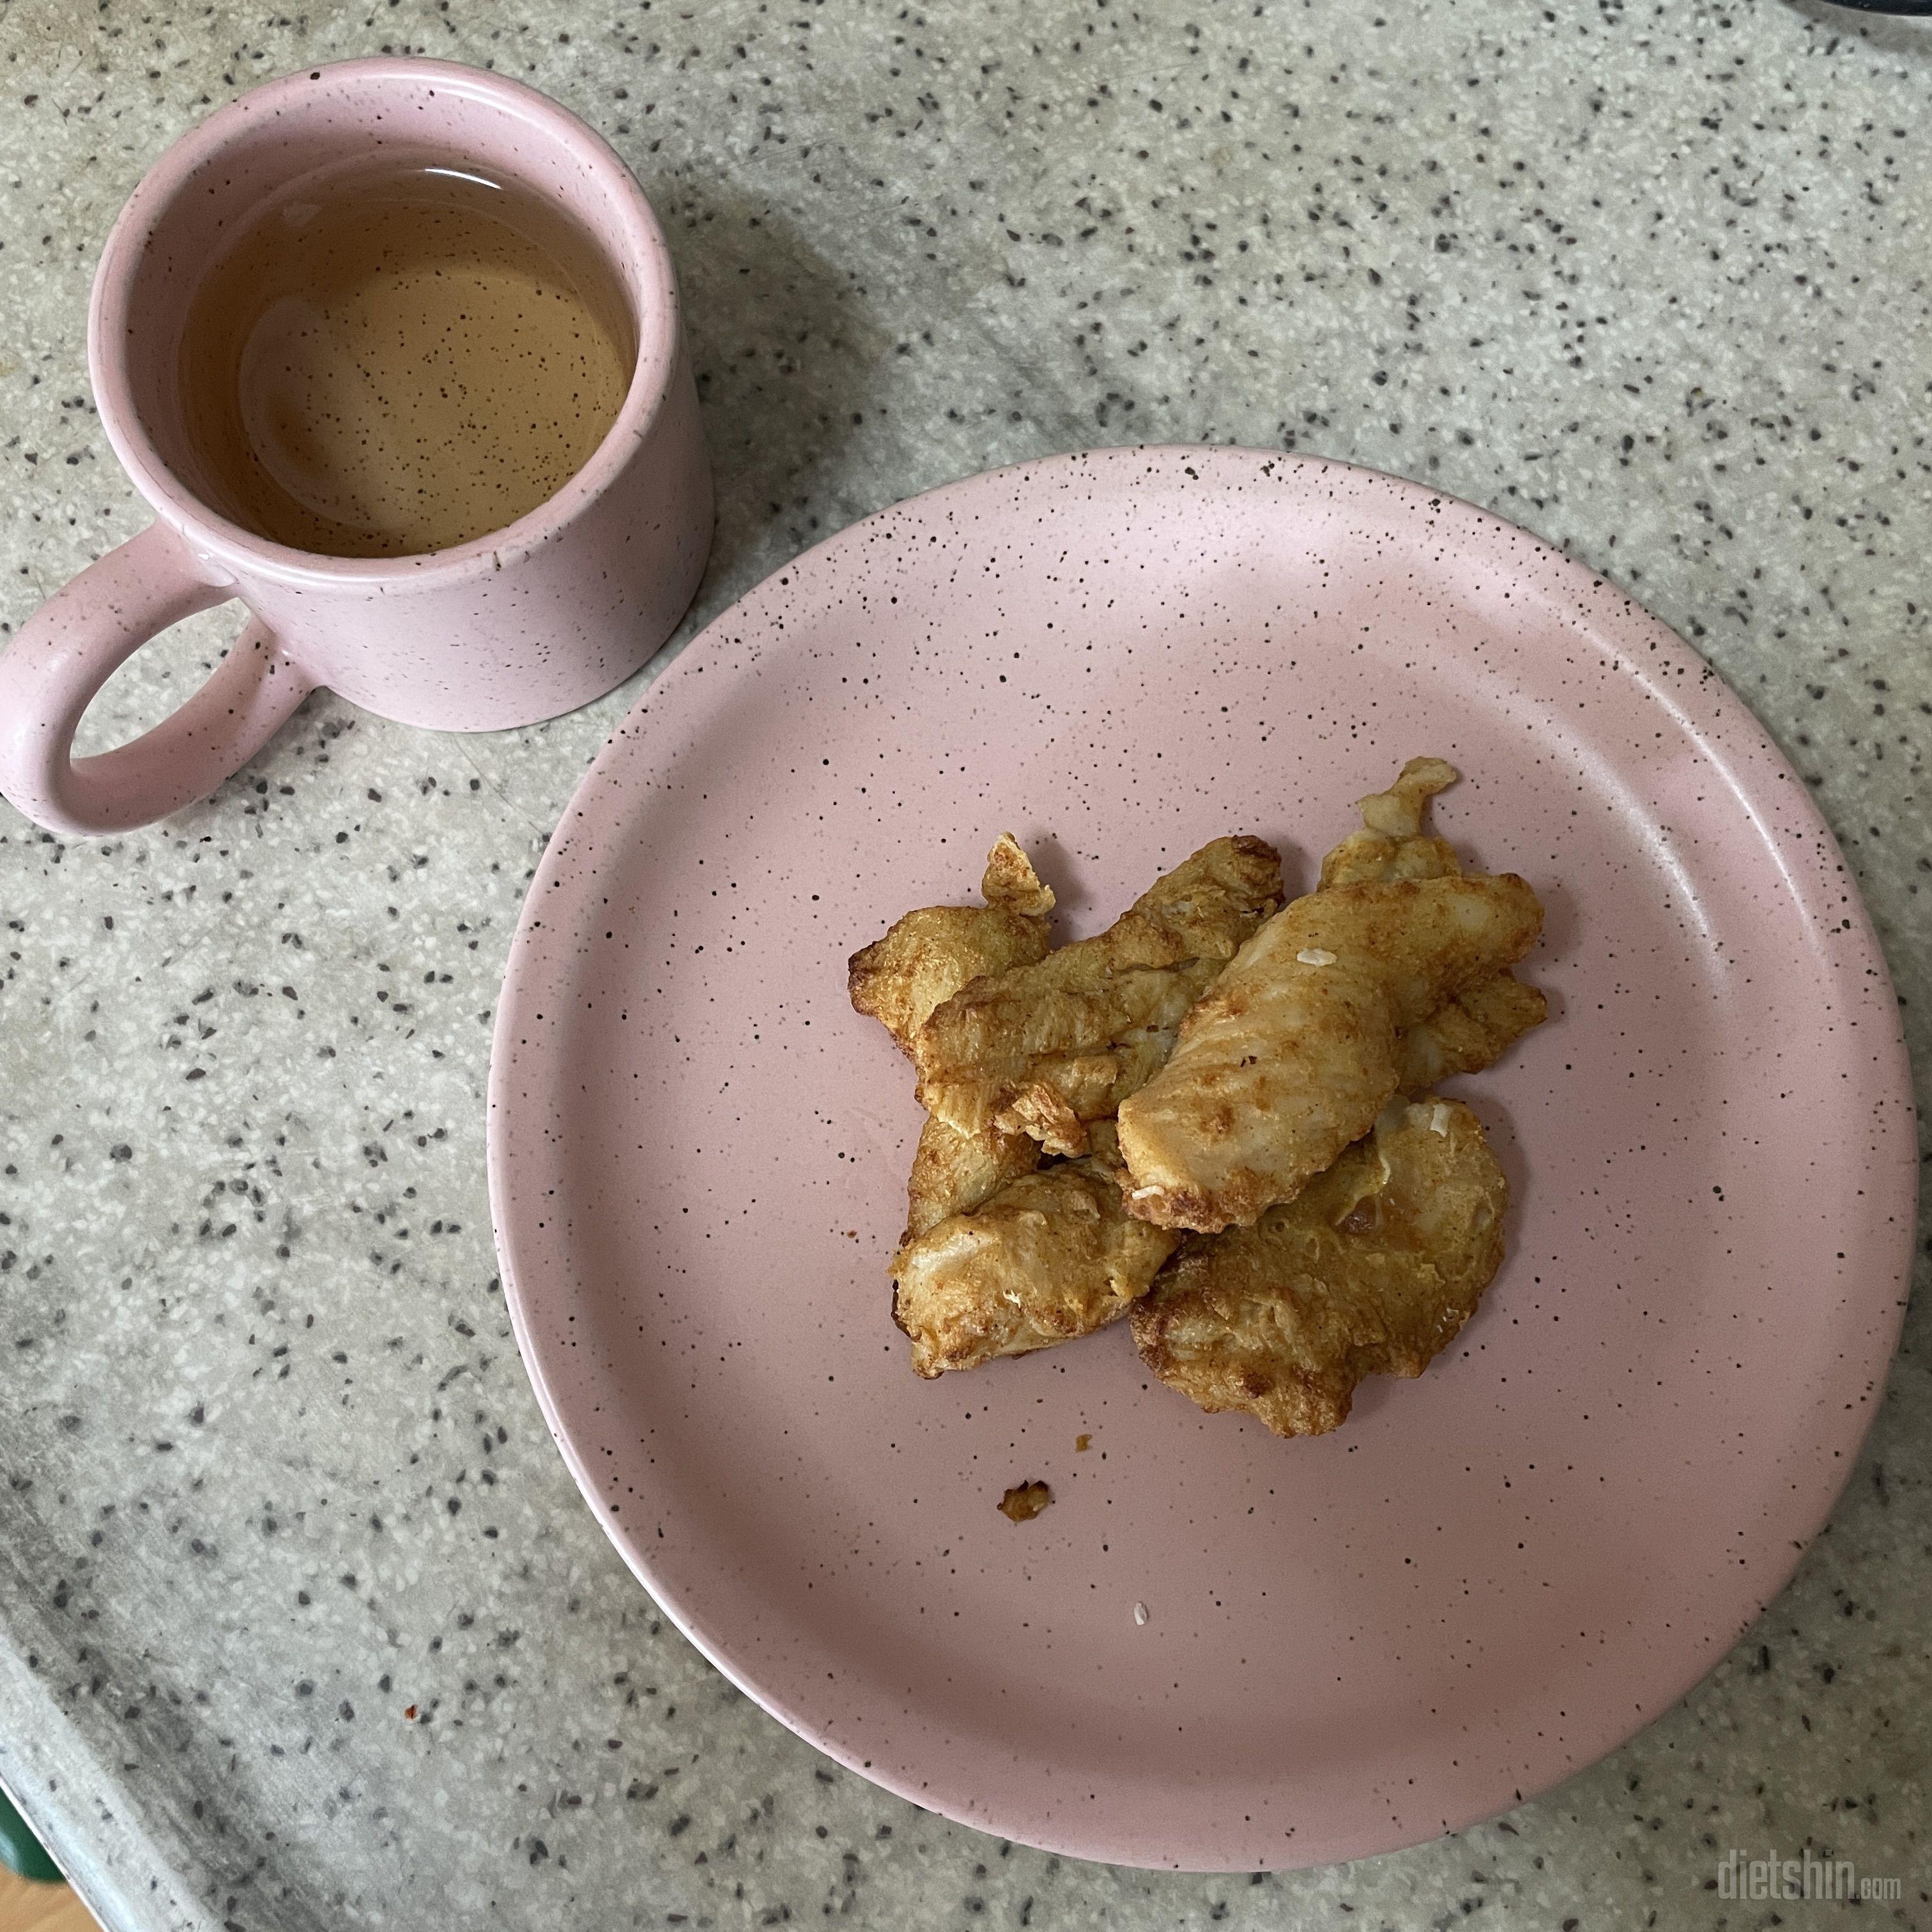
[393, 360]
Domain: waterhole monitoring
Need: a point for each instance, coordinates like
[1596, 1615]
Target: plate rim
[1865, 960]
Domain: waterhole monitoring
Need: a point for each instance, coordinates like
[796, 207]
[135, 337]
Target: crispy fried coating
[1050, 1256]
[1301, 1042]
[1477, 1026]
[1010, 883]
[1371, 1270]
[1392, 844]
[922, 961]
[1024, 1502]
[1296, 1048]
[953, 1173]
[928, 955]
[1046, 1047]
[1469, 1033]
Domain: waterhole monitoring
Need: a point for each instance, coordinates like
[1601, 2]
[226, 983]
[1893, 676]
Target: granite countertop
[1653, 281]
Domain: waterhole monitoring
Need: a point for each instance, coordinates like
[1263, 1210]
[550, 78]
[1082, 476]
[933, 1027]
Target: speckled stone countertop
[1653, 281]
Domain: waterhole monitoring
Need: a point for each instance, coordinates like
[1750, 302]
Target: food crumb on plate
[1140, 1613]
[1024, 1500]
[1080, 1442]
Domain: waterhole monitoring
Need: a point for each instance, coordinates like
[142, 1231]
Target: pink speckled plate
[1492, 1576]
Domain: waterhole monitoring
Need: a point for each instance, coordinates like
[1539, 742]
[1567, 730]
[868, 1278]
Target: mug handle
[74, 643]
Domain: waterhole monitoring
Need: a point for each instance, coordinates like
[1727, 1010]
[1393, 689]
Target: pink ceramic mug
[525, 623]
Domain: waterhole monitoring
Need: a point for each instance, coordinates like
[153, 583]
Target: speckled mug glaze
[697, 1156]
[522, 624]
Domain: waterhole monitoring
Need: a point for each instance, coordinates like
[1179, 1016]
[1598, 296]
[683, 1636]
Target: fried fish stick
[1477, 1027]
[1050, 1256]
[923, 960]
[1297, 1047]
[1371, 1270]
[928, 955]
[1047, 1047]
[953, 1173]
[1304, 1037]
